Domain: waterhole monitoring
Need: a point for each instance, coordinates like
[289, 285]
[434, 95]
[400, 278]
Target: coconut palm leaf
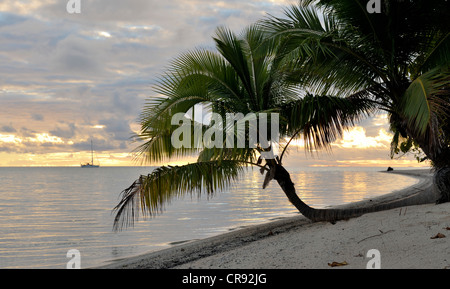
[423, 98]
[150, 193]
[437, 54]
[323, 56]
[158, 145]
[321, 119]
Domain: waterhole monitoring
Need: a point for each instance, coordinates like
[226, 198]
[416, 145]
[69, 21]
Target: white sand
[402, 236]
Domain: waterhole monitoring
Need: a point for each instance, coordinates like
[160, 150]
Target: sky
[69, 78]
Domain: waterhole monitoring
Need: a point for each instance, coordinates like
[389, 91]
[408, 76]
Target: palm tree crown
[398, 59]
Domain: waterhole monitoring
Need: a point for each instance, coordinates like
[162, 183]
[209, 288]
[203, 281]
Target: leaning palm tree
[398, 59]
[245, 75]
[349, 69]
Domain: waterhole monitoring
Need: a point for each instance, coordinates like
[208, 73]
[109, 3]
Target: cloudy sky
[68, 78]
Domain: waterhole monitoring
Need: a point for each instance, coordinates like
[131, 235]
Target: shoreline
[229, 250]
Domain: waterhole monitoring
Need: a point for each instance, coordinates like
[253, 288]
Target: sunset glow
[69, 79]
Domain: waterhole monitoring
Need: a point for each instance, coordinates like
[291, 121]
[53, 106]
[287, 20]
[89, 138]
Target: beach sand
[415, 234]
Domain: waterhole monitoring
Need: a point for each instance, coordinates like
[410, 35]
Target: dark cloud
[26, 133]
[98, 144]
[7, 128]
[37, 117]
[77, 55]
[117, 128]
[65, 131]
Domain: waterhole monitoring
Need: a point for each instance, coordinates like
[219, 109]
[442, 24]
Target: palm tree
[398, 59]
[266, 69]
[245, 75]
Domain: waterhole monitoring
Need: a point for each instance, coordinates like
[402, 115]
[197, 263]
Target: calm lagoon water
[45, 212]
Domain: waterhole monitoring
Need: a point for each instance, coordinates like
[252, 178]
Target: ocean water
[45, 212]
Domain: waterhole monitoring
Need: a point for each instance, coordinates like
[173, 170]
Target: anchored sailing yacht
[91, 164]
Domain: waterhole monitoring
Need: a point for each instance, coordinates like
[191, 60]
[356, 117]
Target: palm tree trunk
[283, 178]
[441, 182]
[441, 162]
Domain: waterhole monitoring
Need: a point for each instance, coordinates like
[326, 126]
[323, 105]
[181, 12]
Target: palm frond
[436, 54]
[423, 98]
[323, 56]
[158, 144]
[150, 193]
[321, 119]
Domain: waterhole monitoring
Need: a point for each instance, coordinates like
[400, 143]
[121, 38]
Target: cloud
[64, 130]
[366, 144]
[8, 19]
[25, 141]
[7, 128]
[76, 55]
[356, 138]
[67, 79]
[117, 128]
[37, 117]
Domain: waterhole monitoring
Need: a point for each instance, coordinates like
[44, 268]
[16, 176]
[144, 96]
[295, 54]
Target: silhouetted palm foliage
[320, 70]
[246, 75]
[399, 59]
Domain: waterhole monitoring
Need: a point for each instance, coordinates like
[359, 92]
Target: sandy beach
[415, 233]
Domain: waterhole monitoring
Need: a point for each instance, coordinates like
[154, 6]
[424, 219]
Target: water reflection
[57, 209]
[322, 189]
[354, 186]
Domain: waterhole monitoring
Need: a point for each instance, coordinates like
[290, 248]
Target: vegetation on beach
[321, 67]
